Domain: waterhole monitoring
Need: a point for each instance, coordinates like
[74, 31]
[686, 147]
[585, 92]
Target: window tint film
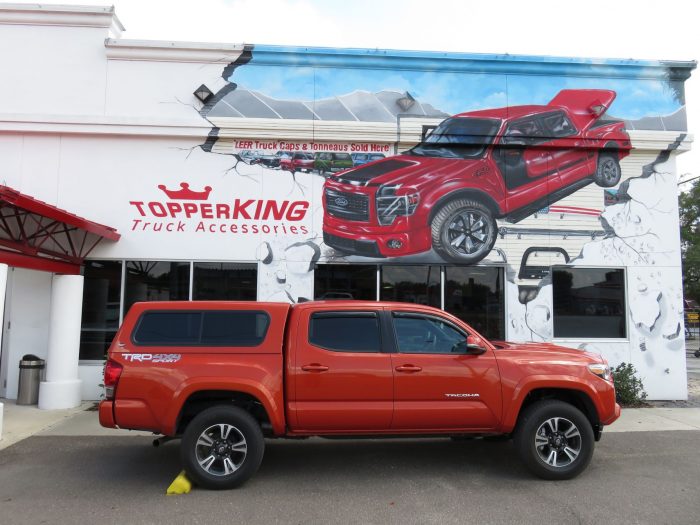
[589, 303]
[426, 335]
[345, 332]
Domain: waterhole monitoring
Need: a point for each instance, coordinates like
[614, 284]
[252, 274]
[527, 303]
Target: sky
[638, 29]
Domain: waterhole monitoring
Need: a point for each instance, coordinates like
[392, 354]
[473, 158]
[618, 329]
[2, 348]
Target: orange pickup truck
[223, 376]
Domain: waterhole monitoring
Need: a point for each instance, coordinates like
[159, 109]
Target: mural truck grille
[350, 206]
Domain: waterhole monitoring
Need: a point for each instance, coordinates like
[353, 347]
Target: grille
[350, 206]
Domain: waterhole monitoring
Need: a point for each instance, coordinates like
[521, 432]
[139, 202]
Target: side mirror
[468, 347]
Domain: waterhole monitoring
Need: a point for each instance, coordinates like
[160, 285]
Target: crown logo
[185, 193]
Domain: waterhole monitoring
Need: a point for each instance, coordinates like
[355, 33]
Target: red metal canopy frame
[38, 236]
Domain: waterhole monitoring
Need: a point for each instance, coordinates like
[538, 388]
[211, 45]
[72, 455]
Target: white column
[3, 289]
[62, 386]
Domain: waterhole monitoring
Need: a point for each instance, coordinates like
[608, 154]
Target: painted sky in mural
[455, 92]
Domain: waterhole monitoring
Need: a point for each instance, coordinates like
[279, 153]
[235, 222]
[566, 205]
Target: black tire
[535, 438]
[204, 439]
[608, 172]
[466, 220]
[697, 353]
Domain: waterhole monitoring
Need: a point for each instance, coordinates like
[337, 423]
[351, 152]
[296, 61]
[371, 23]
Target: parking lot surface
[635, 477]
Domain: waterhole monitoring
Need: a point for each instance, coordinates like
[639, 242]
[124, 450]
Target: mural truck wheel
[608, 172]
[463, 231]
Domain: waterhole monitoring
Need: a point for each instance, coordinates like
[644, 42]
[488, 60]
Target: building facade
[533, 197]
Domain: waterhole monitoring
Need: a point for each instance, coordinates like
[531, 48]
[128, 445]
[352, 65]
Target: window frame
[200, 311]
[625, 315]
[377, 314]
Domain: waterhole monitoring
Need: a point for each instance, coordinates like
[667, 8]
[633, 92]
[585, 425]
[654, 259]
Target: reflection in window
[225, 282]
[589, 302]
[416, 334]
[100, 319]
[475, 295]
[411, 284]
[156, 281]
[345, 281]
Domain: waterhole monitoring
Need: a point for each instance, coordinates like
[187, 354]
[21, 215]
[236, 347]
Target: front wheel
[222, 447]
[554, 440]
[463, 231]
[608, 172]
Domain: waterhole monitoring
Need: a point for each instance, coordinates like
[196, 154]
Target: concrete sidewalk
[24, 421]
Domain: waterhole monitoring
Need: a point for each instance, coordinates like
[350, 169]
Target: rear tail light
[112, 372]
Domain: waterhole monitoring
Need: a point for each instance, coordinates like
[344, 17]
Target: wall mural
[519, 171]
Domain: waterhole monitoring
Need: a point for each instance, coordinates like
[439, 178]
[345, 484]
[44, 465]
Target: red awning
[38, 236]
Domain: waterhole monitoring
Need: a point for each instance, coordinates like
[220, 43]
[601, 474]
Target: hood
[408, 169]
[544, 352]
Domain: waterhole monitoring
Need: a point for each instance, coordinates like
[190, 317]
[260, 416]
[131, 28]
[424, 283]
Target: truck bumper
[106, 412]
[379, 245]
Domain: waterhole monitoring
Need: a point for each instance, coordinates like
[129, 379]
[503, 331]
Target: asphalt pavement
[635, 477]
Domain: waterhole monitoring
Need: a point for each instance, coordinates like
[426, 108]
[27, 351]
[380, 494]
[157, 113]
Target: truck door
[436, 386]
[343, 380]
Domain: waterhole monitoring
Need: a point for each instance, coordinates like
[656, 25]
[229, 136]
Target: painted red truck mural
[447, 192]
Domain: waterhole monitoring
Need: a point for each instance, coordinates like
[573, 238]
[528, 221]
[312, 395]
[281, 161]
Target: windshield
[458, 137]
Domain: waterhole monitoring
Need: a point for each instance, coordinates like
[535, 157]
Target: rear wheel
[554, 440]
[608, 172]
[222, 447]
[463, 231]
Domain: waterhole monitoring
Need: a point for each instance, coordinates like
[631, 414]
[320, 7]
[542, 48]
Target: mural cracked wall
[460, 166]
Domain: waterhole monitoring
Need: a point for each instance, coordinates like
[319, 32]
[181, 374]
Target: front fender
[535, 382]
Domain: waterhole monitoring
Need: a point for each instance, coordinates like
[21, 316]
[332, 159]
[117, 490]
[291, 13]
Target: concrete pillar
[3, 365]
[62, 386]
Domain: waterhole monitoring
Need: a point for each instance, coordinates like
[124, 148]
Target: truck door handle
[314, 368]
[408, 368]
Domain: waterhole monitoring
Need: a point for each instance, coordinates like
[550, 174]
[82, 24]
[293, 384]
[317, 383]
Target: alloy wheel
[558, 442]
[221, 449]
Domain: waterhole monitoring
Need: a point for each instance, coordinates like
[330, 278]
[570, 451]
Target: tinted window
[475, 295]
[345, 281]
[156, 281]
[202, 328]
[224, 328]
[225, 281]
[589, 303]
[417, 334]
[345, 332]
[169, 328]
[411, 284]
[101, 301]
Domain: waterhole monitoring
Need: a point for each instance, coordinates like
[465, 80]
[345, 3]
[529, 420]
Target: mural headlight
[390, 205]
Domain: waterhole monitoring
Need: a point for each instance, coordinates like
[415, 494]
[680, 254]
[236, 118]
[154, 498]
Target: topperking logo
[185, 210]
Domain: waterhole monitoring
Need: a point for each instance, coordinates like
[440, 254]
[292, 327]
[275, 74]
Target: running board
[593, 234]
[530, 209]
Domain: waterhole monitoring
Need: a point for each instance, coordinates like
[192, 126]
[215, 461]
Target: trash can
[31, 371]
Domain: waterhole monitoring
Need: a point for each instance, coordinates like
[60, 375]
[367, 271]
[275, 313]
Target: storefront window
[589, 303]
[411, 284]
[345, 281]
[225, 281]
[156, 281]
[475, 295]
[100, 319]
